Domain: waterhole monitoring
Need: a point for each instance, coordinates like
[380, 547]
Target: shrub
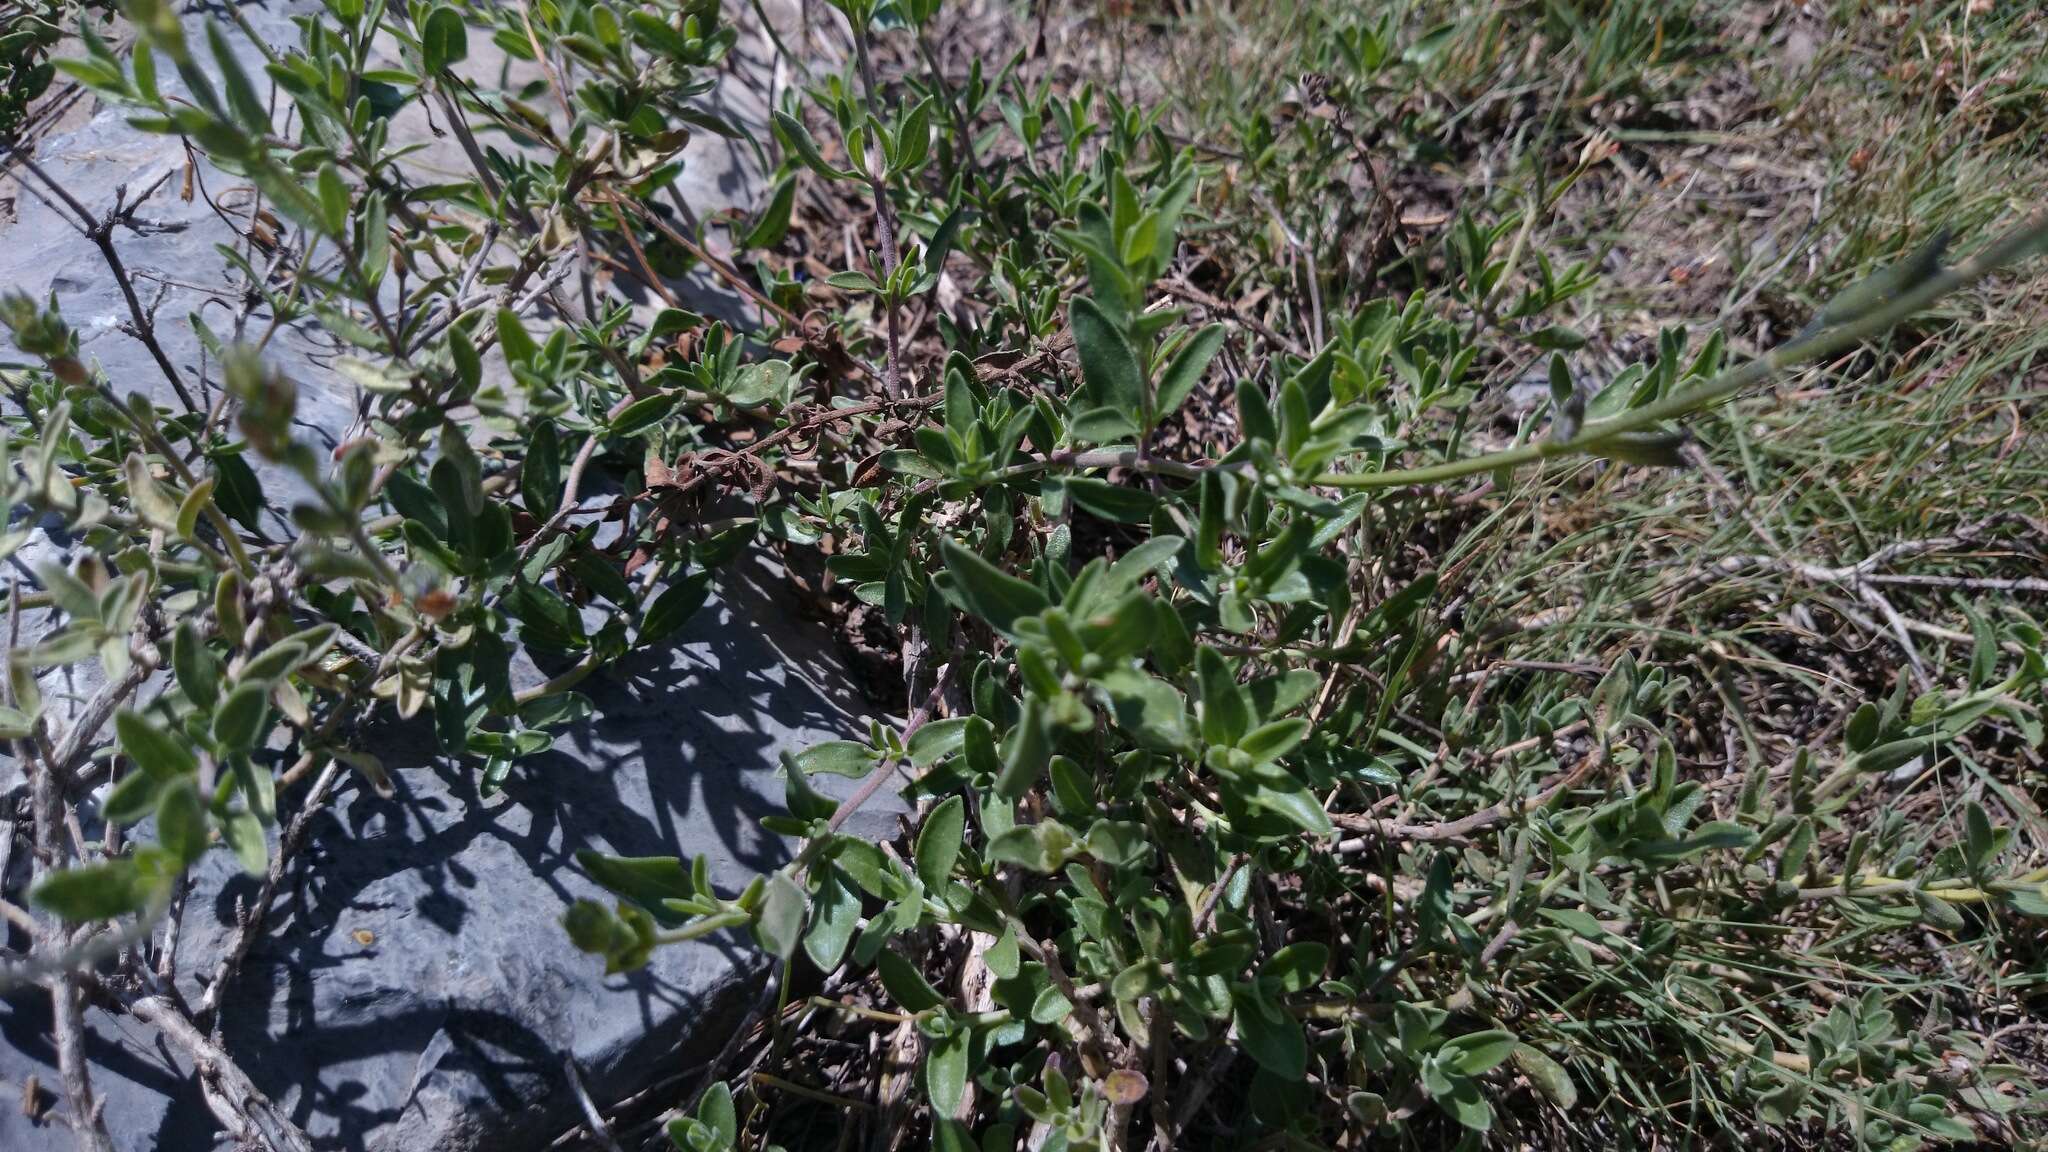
[1213, 793]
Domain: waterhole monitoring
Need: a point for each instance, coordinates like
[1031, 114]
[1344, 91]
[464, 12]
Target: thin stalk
[885, 226]
[2007, 250]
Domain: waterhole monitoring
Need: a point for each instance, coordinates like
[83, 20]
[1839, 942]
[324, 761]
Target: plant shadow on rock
[681, 755]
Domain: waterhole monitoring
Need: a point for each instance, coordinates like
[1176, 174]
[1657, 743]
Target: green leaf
[867, 866]
[797, 138]
[189, 509]
[913, 141]
[334, 200]
[1040, 847]
[1186, 370]
[1557, 337]
[1225, 716]
[716, 1112]
[779, 920]
[132, 799]
[1781, 1105]
[1025, 752]
[241, 717]
[1881, 286]
[773, 223]
[257, 785]
[1576, 920]
[647, 880]
[540, 474]
[1254, 414]
[151, 502]
[643, 414]
[1547, 1075]
[1895, 753]
[1110, 374]
[989, 592]
[832, 928]
[906, 985]
[1272, 741]
[1274, 696]
[519, 348]
[1283, 796]
[1101, 426]
[94, 892]
[1270, 1035]
[1002, 956]
[1647, 449]
[2034, 903]
[853, 280]
[1466, 1105]
[1477, 1053]
[685, 1132]
[759, 383]
[1295, 968]
[1979, 840]
[152, 749]
[978, 748]
[1561, 387]
[945, 1072]
[938, 842]
[805, 803]
[1050, 1006]
[1119, 843]
[937, 740]
[181, 822]
[274, 663]
[1147, 707]
[444, 39]
[837, 758]
[244, 833]
[242, 97]
[953, 1136]
[1938, 912]
[469, 368]
[1862, 731]
[673, 608]
[198, 670]
[1112, 502]
[1108, 281]
[68, 591]
[1369, 1108]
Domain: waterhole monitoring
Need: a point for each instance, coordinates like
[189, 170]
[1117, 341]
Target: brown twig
[885, 225]
[50, 810]
[725, 270]
[244, 1112]
[251, 924]
[1216, 307]
[86, 1122]
[571, 487]
[591, 1115]
[885, 771]
[100, 230]
[1380, 831]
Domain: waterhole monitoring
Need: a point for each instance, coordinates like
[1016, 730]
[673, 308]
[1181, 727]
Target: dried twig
[86, 1121]
[244, 1112]
[100, 230]
[251, 925]
[1379, 831]
[591, 1115]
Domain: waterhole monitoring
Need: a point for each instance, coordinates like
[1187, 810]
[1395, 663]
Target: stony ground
[1715, 165]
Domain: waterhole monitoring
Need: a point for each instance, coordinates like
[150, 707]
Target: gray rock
[413, 989]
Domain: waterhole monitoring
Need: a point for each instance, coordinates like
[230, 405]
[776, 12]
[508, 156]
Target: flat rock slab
[414, 990]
